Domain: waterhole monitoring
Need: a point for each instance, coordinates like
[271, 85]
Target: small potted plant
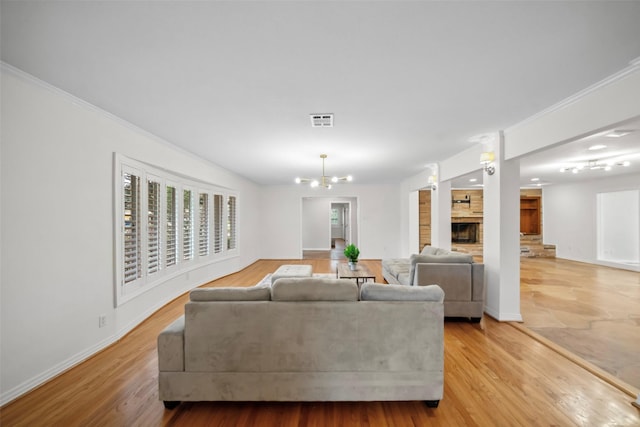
[352, 253]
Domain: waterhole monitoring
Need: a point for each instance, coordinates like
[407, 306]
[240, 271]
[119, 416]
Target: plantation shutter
[153, 226]
[132, 262]
[187, 226]
[171, 229]
[217, 223]
[231, 223]
[203, 230]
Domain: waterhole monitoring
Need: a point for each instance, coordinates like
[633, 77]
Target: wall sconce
[486, 159]
[432, 182]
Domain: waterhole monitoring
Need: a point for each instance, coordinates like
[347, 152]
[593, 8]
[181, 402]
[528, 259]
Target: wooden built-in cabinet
[530, 215]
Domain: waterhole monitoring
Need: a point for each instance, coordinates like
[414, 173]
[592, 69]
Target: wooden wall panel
[424, 219]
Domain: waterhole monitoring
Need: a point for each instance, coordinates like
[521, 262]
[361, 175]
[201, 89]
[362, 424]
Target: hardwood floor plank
[494, 375]
[590, 310]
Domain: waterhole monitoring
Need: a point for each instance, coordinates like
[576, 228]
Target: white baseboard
[503, 317]
[54, 371]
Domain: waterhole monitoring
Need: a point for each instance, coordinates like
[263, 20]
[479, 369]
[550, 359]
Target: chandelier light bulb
[298, 180]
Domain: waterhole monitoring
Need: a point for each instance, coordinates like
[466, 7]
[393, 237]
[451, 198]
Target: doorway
[340, 224]
[328, 225]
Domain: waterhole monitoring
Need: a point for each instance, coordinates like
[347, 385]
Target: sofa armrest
[452, 258]
[454, 279]
[478, 292]
[171, 347]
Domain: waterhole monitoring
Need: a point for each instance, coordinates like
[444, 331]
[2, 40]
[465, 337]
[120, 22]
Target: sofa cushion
[429, 250]
[396, 266]
[254, 293]
[432, 250]
[295, 270]
[403, 278]
[449, 258]
[314, 289]
[379, 292]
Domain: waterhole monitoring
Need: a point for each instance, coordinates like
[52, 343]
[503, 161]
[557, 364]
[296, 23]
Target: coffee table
[361, 273]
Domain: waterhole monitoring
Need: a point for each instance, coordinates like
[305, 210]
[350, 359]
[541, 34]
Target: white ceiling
[544, 168]
[409, 82]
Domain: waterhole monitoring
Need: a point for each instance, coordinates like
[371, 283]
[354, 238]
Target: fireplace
[464, 232]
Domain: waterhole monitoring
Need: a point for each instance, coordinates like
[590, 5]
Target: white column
[502, 235]
[441, 215]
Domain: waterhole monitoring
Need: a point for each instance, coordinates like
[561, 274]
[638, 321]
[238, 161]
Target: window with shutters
[231, 223]
[171, 231]
[165, 227]
[153, 226]
[203, 224]
[187, 225]
[132, 264]
[217, 223]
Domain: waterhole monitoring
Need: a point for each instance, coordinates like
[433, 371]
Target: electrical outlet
[102, 321]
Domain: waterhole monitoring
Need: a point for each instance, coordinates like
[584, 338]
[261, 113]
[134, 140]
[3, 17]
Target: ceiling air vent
[321, 120]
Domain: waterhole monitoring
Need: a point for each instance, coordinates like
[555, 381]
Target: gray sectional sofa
[461, 279]
[305, 339]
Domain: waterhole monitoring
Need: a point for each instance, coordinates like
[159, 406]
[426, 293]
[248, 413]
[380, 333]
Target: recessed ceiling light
[618, 133]
[535, 179]
[473, 180]
[597, 147]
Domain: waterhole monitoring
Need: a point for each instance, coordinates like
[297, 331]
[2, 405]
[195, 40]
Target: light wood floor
[335, 253]
[591, 311]
[495, 375]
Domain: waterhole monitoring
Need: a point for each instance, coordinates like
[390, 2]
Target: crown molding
[24, 76]
[634, 66]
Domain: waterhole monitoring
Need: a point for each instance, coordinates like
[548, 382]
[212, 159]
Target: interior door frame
[347, 239]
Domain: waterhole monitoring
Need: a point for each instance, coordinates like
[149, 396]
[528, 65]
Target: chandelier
[324, 181]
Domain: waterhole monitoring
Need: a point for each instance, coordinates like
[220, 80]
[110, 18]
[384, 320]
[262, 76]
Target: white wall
[316, 220]
[619, 226]
[57, 231]
[570, 215]
[378, 225]
[316, 223]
